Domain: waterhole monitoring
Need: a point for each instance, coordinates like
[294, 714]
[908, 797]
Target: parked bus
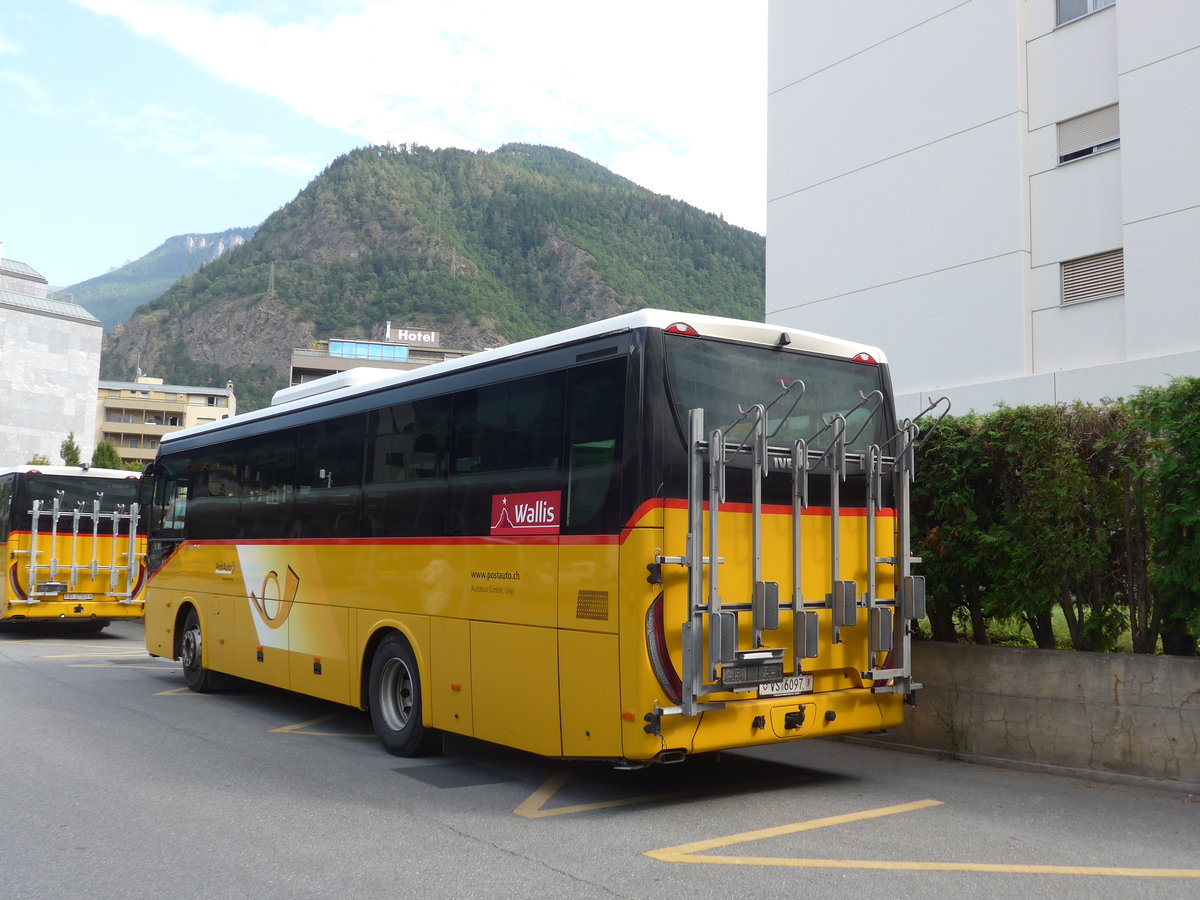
[638, 539]
[73, 551]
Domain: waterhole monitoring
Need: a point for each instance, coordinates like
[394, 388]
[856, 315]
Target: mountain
[113, 297]
[486, 248]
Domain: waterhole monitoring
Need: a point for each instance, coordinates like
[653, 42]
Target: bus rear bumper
[73, 610]
[750, 723]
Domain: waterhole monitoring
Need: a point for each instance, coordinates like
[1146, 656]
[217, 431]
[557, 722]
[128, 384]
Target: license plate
[77, 596]
[793, 684]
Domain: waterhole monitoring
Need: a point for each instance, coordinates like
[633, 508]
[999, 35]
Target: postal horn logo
[273, 604]
[533, 513]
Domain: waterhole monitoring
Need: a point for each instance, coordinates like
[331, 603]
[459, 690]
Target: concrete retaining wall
[1115, 713]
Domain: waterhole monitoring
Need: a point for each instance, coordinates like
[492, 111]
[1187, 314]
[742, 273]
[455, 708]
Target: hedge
[1091, 510]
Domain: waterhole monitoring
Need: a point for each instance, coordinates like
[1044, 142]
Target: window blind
[1091, 277]
[1089, 130]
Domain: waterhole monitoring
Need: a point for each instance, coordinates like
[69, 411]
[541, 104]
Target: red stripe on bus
[780, 510]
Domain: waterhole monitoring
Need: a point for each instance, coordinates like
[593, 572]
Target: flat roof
[165, 388]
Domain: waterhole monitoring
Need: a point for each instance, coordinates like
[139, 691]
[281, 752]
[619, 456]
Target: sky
[126, 122]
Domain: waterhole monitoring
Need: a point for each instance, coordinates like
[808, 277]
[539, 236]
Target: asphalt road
[118, 782]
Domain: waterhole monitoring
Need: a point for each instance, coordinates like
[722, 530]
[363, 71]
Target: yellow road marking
[691, 853]
[533, 806]
[176, 692]
[302, 728]
[686, 852]
[97, 653]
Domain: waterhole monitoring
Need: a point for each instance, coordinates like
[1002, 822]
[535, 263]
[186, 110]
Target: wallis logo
[536, 513]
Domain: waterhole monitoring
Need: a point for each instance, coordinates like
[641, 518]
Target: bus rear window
[724, 378]
[73, 492]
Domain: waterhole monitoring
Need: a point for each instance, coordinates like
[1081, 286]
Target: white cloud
[669, 94]
[196, 143]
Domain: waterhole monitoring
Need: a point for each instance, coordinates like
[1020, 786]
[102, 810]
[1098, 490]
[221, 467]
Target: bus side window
[329, 478]
[596, 415]
[212, 495]
[268, 473]
[168, 502]
[6, 496]
[404, 485]
[507, 439]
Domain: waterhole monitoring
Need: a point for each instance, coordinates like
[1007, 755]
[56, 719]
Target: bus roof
[360, 380]
[73, 471]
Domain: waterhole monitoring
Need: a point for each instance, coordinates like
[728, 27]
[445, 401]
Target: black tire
[191, 654]
[394, 698]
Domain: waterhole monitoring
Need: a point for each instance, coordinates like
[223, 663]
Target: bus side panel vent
[592, 605]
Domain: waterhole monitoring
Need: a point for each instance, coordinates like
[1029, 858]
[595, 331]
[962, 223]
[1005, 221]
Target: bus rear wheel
[191, 654]
[394, 696]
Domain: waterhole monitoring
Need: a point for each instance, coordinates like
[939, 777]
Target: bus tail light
[141, 581]
[16, 585]
[682, 328]
[660, 657]
[865, 358]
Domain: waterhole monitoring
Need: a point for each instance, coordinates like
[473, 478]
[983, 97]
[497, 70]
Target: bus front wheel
[395, 701]
[191, 654]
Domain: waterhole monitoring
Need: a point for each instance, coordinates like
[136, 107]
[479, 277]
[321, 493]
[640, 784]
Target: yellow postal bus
[73, 549]
[639, 539]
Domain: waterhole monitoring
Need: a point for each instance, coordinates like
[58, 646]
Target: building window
[1089, 134]
[1070, 10]
[1093, 277]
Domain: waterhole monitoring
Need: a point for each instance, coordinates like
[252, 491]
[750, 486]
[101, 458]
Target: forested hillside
[484, 247]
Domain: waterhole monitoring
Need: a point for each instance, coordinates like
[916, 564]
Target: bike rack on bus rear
[733, 669]
[124, 524]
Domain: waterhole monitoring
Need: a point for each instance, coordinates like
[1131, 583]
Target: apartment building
[134, 415]
[1000, 193]
[49, 367]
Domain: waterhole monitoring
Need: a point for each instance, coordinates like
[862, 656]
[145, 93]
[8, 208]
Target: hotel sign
[412, 336]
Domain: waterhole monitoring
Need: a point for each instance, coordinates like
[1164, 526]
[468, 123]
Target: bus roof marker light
[866, 358]
[681, 328]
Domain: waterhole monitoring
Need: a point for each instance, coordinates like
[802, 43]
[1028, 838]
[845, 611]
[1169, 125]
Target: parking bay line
[533, 806]
[692, 853]
[303, 728]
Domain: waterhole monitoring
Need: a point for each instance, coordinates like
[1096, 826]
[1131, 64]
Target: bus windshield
[802, 390]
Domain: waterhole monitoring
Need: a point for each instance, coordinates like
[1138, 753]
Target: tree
[39, 459]
[106, 456]
[69, 450]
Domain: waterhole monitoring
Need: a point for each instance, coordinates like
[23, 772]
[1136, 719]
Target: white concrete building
[49, 368]
[1000, 193]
